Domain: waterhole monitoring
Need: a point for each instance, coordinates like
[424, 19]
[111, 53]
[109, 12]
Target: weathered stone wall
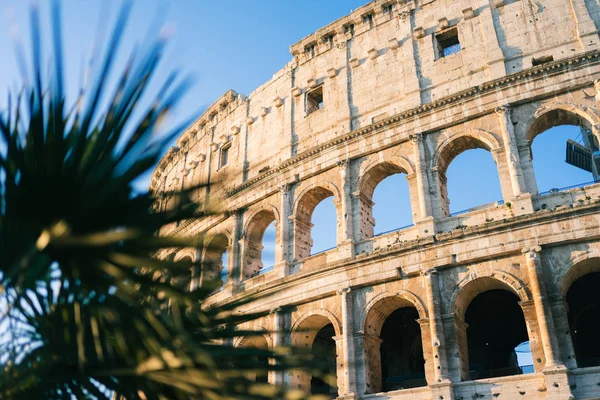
[392, 103]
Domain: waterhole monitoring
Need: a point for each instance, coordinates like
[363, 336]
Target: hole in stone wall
[268, 242]
[472, 181]
[402, 362]
[447, 43]
[549, 159]
[392, 209]
[496, 327]
[324, 230]
[583, 300]
[314, 100]
[324, 353]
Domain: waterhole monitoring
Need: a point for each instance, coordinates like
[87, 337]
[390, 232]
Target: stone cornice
[467, 94]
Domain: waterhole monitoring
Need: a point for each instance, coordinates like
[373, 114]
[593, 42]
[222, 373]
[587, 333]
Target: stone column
[280, 327]
[557, 382]
[440, 363]
[493, 52]
[235, 262]
[372, 363]
[412, 87]
[512, 153]
[282, 251]
[563, 332]
[441, 385]
[348, 363]
[586, 29]
[345, 242]
[424, 220]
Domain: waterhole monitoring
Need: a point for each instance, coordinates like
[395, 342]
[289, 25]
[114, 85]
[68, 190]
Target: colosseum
[435, 310]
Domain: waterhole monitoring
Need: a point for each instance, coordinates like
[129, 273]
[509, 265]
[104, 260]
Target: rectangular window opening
[541, 60]
[328, 40]
[314, 100]
[310, 50]
[389, 10]
[447, 43]
[349, 29]
[368, 20]
[224, 155]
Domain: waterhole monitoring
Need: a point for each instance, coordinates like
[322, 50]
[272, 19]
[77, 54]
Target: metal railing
[262, 271]
[394, 230]
[477, 208]
[322, 251]
[564, 189]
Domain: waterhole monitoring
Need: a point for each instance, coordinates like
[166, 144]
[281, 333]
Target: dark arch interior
[402, 362]
[583, 300]
[324, 353]
[496, 326]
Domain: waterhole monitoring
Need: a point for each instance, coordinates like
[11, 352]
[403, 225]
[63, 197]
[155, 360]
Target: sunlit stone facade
[432, 311]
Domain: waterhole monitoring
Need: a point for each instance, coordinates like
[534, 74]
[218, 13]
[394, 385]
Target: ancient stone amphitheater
[434, 310]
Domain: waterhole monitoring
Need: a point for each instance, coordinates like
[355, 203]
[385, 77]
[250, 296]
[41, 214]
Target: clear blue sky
[239, 45]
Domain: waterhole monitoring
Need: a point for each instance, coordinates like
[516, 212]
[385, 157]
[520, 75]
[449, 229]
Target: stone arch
[560, 113]
[581, 293]
[252, 244]
[216, 244]
[304, 333]
[315, 320]
[397, 316]
[456, 144]
[305, 204]
[382, 305]
[371, 176]
[256, 362]
[191, 280]
[548, 116]
[467, 289]
[580, 266]
[467, 292]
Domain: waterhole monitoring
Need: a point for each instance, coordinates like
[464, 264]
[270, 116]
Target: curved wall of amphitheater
[370, 95]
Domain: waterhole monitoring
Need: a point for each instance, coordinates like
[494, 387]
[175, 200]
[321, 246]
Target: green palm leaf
[83, 315]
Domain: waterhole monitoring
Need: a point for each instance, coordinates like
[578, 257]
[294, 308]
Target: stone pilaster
[557, 382]
[493, 53]
[511, 151]
[348, 362]
[586, 29]
[438, 340]
[235, 262]
[282, 251]
[345, 242]
[424, 220]
[280, 327]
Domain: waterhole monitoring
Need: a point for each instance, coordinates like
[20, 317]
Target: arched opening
[472, 181]
[553, 169]
[583, 304]
[468, 176]
[385, 200]
[316, 336]
[393, 346]
[259, 244]
[324, 353]
[269, 243]
[183, 280]
[315, 223]
[216, 261]
[402, 362]
[495, 330]
[257, 364]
